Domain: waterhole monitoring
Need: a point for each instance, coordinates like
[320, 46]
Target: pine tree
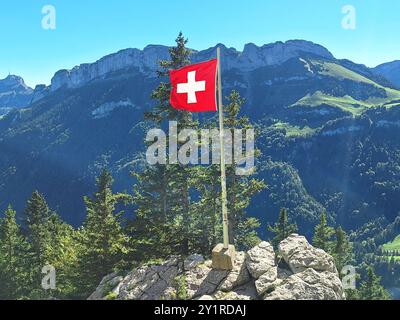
[240, 188]
[323, 234]
[283, 228]
[371, 289]
[166, 217]
[104, 244]
[63, 256]
[169, 219]
[37, 217]
[343, 252]
[14, 271]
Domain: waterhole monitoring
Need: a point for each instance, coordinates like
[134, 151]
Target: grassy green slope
[346, 103]
[292, 130]
[393, 246]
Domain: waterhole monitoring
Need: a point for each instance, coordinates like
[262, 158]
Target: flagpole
[222, 150]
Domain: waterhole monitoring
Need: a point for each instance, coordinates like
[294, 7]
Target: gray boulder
[260, 259]
[309, 285]
[300, 255]
[298, 272]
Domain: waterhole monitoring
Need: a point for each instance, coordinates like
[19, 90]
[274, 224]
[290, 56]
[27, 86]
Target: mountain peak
[389, 70]
[11, 81]
[14, 93]
[146, 60]
[278, 52]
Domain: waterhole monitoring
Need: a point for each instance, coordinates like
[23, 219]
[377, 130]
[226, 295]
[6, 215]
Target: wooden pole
[222, 150]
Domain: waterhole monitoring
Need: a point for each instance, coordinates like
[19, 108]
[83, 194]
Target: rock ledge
[297, 272]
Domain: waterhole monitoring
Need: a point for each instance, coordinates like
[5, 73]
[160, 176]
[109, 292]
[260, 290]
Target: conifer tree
[14, 267]
[282, 228]
[343, 252]
[166, 217]
[51, 244]
[37, 217]
[323, 234]
[104, 244]
[240, 188]
[63, 256]
[371, 289]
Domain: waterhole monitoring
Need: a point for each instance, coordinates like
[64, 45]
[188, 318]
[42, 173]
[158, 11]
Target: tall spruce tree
[104, 244]
[166, 217]
[37, 222]
[50, 244]
[282, 228]
[240, 188]
[371, 288]
[63, 256]
[323, 234]
[14, 254]
[343, 251]
[169, 219]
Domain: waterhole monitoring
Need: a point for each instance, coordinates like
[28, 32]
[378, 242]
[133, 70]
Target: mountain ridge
[66, 135]
[390, 70]
[145, 60]
[14, 93]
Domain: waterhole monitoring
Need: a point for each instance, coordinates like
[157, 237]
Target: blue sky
[88, 29]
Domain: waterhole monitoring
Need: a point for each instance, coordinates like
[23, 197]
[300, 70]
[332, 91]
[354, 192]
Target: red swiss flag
[194, 87]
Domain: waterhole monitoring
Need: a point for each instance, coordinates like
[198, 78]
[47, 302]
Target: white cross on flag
[194, 87]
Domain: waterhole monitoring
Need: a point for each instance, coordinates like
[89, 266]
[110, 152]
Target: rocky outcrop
[14, 93]
[300, 255]
[297, 272]
[146, 60]
[40, 92]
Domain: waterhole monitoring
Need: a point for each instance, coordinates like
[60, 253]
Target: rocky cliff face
[298, 271]
[146, 60]
[14, 93]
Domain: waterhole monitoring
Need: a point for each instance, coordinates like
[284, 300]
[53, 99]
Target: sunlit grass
[293, 131]
[392, 246]
[347, 103]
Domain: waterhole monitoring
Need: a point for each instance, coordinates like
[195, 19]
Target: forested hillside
[326, 130]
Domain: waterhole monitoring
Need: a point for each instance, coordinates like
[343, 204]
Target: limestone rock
[300, 272]
[146, 61]
[309, 285]
[14, 93]
[150, 282]
[267, 281]
[238, 276]
[203, 280]
[300, 255]
[109, 284]
[244, 292]
[260, 259]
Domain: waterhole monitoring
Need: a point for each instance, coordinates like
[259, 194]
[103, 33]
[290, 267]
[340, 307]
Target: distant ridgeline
[327, 129]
